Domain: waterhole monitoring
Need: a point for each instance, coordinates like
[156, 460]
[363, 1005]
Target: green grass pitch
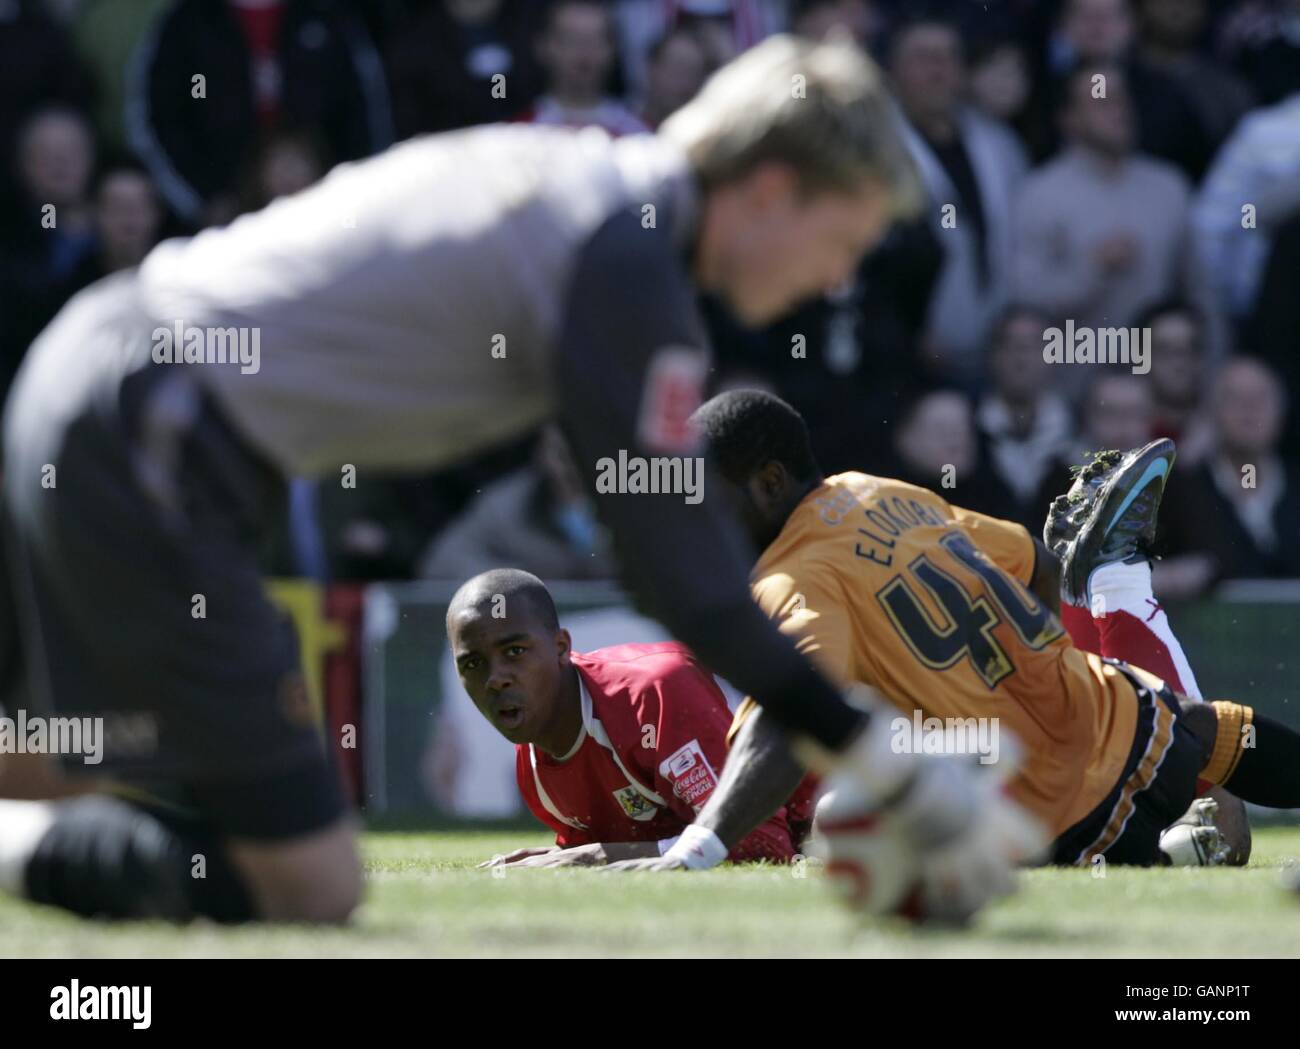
[425, 898]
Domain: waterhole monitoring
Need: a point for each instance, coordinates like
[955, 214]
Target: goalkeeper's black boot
[1109, 513]
[103, 858]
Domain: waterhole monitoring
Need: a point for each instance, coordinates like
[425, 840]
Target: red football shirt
[260, 23]
[653, 739]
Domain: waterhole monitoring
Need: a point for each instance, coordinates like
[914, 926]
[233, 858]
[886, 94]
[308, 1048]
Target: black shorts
[1156, 787]
[132, 519]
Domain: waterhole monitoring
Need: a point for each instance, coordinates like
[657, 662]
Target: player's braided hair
[744, 429]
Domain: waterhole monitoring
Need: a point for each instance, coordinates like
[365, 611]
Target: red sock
[1126, 637]
[1082, 627]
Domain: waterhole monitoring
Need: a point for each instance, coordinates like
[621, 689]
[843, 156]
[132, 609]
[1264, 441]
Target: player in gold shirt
[948, 614]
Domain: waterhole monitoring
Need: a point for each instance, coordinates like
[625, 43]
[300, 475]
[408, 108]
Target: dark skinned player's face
[512, 667]
[761, 503]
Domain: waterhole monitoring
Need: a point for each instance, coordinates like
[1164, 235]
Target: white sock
[1117, 587]
[22, 825]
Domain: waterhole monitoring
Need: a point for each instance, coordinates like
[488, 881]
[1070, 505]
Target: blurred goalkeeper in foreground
[406, 312]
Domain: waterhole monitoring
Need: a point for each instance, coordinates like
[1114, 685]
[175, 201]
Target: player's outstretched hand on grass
[595, 855]
[518, 856]
[653, 863]
[578, 856]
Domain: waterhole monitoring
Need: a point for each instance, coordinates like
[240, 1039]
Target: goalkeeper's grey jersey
[404, 310]
[377, 298]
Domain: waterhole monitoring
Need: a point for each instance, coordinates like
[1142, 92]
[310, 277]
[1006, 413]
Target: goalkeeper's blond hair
[821, 107]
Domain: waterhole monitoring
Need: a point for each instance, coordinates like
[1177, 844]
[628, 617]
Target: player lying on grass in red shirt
[616, 750]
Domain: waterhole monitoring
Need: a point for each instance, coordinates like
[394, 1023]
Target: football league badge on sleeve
[690, 773]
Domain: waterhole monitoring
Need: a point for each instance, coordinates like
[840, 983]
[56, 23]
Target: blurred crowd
[1173, 208]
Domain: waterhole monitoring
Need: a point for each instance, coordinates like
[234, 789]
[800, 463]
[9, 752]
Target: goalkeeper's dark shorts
[1154, 790]
[132, 518]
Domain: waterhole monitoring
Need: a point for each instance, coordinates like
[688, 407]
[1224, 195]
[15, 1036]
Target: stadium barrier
[376, 658]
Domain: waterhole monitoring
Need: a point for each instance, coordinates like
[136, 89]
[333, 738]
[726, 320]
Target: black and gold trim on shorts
[1157, 784]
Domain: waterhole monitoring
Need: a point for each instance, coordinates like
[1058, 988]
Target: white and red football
[867, 861]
